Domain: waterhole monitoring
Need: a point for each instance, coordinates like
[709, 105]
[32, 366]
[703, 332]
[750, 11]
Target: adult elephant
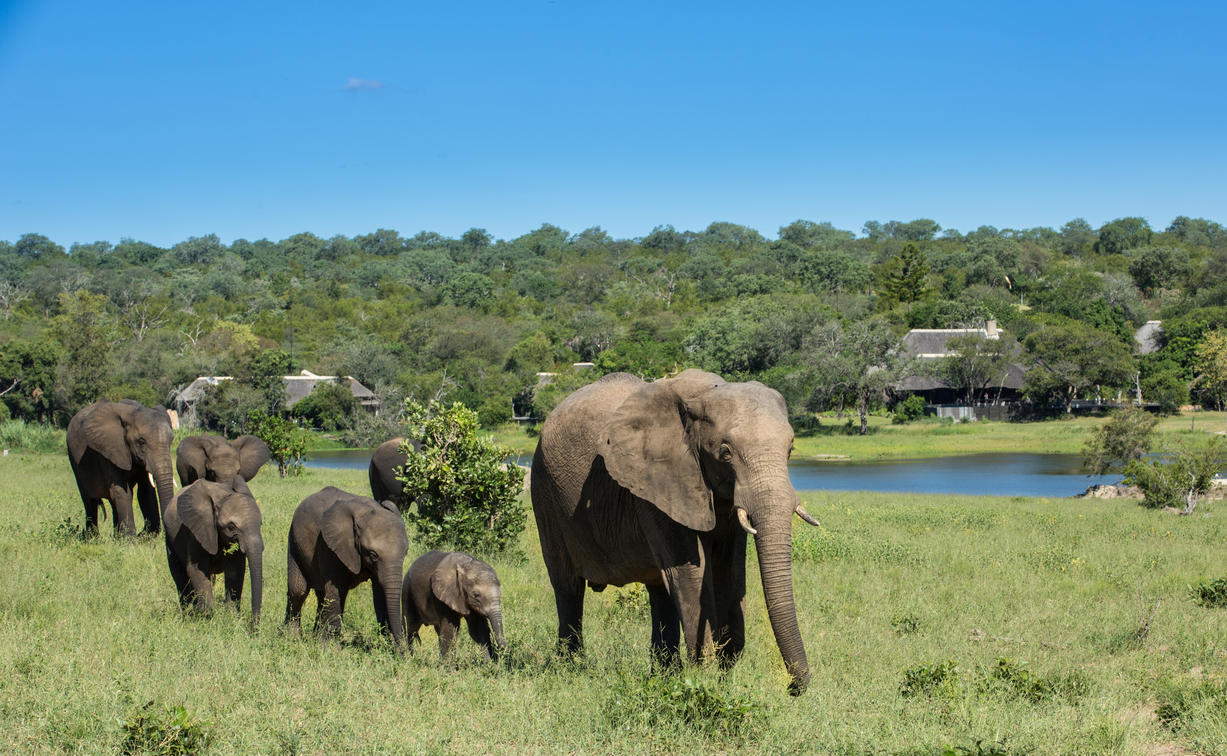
[114, 448]
[659, 483]
[386, 458]
[213, 458]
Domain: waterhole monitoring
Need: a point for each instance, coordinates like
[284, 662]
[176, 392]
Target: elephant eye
[373, 556]
[726, 454]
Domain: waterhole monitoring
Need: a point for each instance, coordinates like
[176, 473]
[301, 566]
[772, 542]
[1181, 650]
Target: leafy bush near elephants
[171, 732]
[467, 493]
[287, 444]
[665, 701]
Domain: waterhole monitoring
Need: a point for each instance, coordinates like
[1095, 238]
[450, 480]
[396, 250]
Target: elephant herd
[656, 483]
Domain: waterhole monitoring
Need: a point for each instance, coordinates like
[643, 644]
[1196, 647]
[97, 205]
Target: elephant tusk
[744, 519]
[800, 510]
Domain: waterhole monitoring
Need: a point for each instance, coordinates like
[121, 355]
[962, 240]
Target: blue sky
[159, 121]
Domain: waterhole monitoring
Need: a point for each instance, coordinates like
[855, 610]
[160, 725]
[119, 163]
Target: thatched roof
[297, 388]
[933, 344]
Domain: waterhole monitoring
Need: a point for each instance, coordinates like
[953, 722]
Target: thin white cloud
[353, 84]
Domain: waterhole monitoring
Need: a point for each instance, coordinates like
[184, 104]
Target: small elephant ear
[196, 510]
[104, 431]
[337, 527]
[253, 454]
[447, 583]
[647, 451]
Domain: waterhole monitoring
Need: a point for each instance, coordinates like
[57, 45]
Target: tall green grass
[18, 435]
[1086, 601]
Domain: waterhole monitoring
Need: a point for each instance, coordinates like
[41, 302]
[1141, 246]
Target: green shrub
[928, 679]
[1210, 593]
[468, 495]
[1019, 681]
[665, 702]
[287, 443]
[912, 408]
[1166, 482]
[172, 731]
[18, 434]
[905, 624]
[330, 406]
[1124, 438]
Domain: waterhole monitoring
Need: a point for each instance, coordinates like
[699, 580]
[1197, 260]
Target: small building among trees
[296, 388]
[965, 367]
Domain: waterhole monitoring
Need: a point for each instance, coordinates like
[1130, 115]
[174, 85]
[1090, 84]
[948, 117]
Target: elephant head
[213, 458]
[369, 539]
[699, 448]
[222, 518]
[469, 586]
[132, 437]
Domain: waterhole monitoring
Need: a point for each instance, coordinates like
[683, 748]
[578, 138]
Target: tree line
[475, 319]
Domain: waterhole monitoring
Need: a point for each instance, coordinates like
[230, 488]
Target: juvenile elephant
[659, 483]
[384, 461]
[213, 528]
[211, 457]
[114, 448]
[337, 541]
[443, 586]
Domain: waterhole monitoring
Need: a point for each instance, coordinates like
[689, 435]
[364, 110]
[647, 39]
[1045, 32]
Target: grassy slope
[90, 632]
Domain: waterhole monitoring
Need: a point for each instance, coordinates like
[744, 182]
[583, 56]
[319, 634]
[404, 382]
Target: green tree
[1179, 476]
[853, 364]
[1211, 381]
[287, 443]
[87, 336]
[330, 406]
[1067, 358]
[902, 277]
[1155, 268]
[37, 247]
[1122, 235]
[467, 494]
[976, 363]
[1124, 438]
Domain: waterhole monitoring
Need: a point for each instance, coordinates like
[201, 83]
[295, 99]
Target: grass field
[908, 605]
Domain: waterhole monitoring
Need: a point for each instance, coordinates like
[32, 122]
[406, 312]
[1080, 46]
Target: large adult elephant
[659, 483]
[386, 458]
[213, 458]
[114, 448]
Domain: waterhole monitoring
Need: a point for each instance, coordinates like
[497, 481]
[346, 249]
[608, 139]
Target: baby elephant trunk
[496, 630]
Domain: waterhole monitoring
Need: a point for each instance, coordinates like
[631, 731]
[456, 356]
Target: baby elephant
[441, 587]
[212, 528]
[337, 541]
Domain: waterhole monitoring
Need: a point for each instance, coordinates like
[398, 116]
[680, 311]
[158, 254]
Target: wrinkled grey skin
[211, 457]
[337, 541]
[443, 586]
[213, 528]
[113, 448]
[641, 482]
[386, 458]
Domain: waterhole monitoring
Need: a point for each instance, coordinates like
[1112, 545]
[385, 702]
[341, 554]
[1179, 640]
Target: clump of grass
[675, 701]
[980, 748]
[31, 437]
[171, 731]
[1211, 594]
[1019, 681]
[905, 624]
[1181, 704]
[930, 679]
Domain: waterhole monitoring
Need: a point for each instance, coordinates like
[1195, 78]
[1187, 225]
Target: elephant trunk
[770, 500]
[496, 629]
[164, 481]
[389, 583]
[255, 566]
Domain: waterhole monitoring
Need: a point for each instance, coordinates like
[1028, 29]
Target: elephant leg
[331, 606]
[412, 622]
[665, 635]
[295, 593]
[202, 586]
[236, 567]
[447, 635]
[569, 601]
[179, 574]
[728, 559]
[147, 500]
[479, 631]
[121, 508]
[689, 586]
[92, 503]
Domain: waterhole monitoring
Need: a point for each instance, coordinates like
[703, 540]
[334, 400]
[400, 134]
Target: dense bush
[1171, 480]
[467, 493]
[287, 443]
[1124, 438]
[911, 408]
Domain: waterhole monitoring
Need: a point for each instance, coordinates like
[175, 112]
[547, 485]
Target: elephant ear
[104, 432]
[647, 450]
[197, 512]
[253, 454]
[447, 583]
[341, 536]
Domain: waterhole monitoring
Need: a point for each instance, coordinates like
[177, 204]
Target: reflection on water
[977, 474]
